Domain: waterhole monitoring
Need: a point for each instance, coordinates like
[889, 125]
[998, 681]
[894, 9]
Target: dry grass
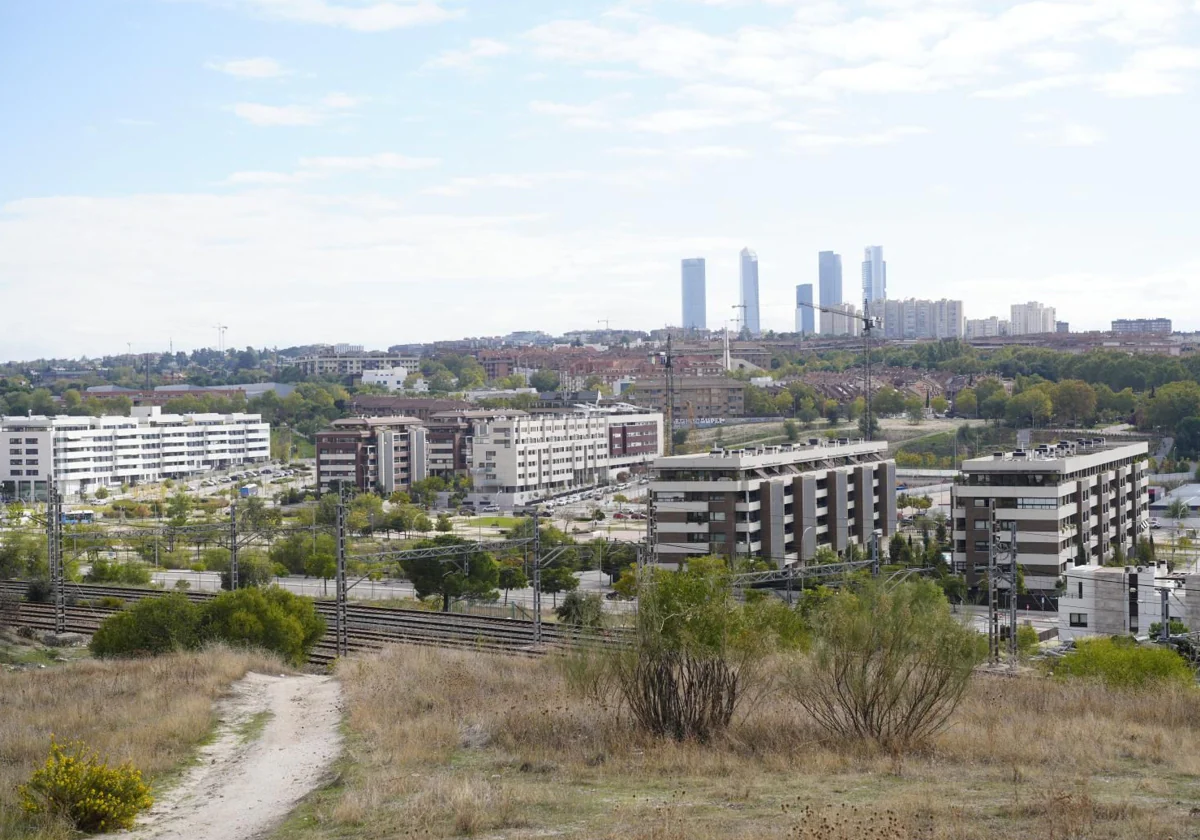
[448, 744]
[152, 712]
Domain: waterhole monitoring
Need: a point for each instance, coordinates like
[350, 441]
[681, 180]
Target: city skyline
[751, 313]
[407, 170]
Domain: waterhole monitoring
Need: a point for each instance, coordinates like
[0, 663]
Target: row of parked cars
[246, 475]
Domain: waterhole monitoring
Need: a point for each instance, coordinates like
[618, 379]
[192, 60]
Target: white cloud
[471, 57]
[1032, 86]
[1050, 61]
[717, 152]
[363, 163]
[1155, 71]
[278, 115]
[823, 142]
[458, 187]
[586, 115]
[358, 16]
[342, 101]
[635, 151]
[266, 178]
[250, 68]
[1054, 130]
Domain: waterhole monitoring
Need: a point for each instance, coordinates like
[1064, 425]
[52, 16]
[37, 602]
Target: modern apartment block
[777, 502]
[805, 322]
[987, 327]
[372, 453]
[844, 321]
[82, 454]
[522, 458]
[1031, 319]
[392, 378]
[1115, 601]
[912, 319]
[1074, 504]
[1142, 326]
[874, 274]
[331, 363]
[695, 306]
[748, 275]
[696, 396]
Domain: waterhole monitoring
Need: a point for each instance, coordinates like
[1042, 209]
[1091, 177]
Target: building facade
[1142, 326]
[779, 503]
[1120, 601]
[805, 320]
[391, 378]
[874, 274]
[1031, 318]
[841, 322]
[372, 453]
[914, 319]
[748, 275]
[829, 278]
[1075, 503]
[696, 396]
[522, 458]
[986, 327]
[82, 454]
[331, 363]
[695, 304]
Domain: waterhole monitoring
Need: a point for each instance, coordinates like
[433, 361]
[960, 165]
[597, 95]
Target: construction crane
[220, 328]
[668, 361]
[869, 322]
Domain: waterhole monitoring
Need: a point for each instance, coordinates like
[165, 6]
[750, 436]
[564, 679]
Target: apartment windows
[31, 440]
[981, 502]
[15, 462]
[1078, 619]
[15, 452]
[981, 545]
[1027, 503]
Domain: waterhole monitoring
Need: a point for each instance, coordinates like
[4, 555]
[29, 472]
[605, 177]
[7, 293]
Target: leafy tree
[939, 405]
[1187, 439]
[965, 403]
[512, 576]
[558, 579]
[581, 610]
[1173, 403]
[1032, 406]
[474, 576]
[791, 430]
[179, 507]
[443, 524]
[1073, 400]
[269, 617]
[544, 381]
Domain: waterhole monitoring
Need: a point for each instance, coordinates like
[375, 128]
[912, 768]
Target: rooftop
[814, 449]
[1063, 456]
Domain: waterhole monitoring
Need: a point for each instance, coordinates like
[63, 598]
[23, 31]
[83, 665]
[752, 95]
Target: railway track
[368, 628]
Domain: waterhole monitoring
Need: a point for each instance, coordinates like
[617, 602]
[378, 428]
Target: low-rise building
[699, 396]
[518, 458]
[392, 378]
[778, 502]
[372, 453]
[82, 454]
[1142, 326]
[1119, 601]
[332, 363]
[1075, 503]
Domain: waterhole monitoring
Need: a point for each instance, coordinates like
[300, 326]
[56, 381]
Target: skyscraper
[874, 274]
[695, 307]
[829, 275]
[749, 278]
[804, 310]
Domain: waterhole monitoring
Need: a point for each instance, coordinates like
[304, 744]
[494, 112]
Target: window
[981, 503]
[16, 462]
[1027, 503]
[17, 472]
[31, 452]
[981, 545]
[717, 516]
[1080, 589]
[980, 524]
[1078, 619]
[31, 440]
[31, 461]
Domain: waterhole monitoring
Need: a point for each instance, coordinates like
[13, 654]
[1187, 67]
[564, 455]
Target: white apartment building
[330, 363]
[518, 458]
[776, 502]
[81, 454]
[1116, 601]
[1074, 504]
[987, 327]
[1031, 319]
[843, 322]
[391, 378]
[920, 318]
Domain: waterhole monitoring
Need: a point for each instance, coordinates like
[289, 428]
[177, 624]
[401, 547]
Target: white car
[1154, 522]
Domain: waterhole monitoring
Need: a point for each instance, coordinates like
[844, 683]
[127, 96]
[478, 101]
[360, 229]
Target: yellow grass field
[454, 744]
[153, 712]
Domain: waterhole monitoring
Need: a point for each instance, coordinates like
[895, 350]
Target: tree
[939, 405]
[914, 410]
[512, 576]
[965, 403]
[443, 524]
[544, 381]
[888, 665]
[1187, 439]
[581, 610]
[458, 575]
[1033, 406]
[791, 430]
[1173, 403]
[1073, 400]
[179, 507]
[558, 579]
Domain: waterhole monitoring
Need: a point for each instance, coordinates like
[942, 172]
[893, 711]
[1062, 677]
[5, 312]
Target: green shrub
[109, 602]
[581, 610]
[111, 571]
[152, 626]
[1027, 640]
[270, 618]
[77, 785]
[1122, 663]
[38, 591]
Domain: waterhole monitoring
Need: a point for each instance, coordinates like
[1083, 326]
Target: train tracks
[369, 628]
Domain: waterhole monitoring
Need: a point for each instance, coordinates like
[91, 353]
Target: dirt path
[277, 738]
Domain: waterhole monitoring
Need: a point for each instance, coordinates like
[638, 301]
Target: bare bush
[681, 694]
[887, 666]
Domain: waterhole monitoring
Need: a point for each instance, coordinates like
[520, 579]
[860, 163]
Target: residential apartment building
[913, 319]
[695, 396]
[372, 453]
[392, 378]
[1074, 504]
[331, 363]
[522, 458]
[777, 502]
[1116, 601]
[420, 407]
[843, 321]
[82, 454]
[695, 306]
[986, 327]
[748, 276]
[1142, 326]
[1031, 318]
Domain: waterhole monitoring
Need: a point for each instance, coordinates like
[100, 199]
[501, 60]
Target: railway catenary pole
[1012, 594]
[233, 545]
[54, 556]
[341, 617]
[993, 591]
[537, 579]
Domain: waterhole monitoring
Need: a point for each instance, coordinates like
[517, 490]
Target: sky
[391, 171]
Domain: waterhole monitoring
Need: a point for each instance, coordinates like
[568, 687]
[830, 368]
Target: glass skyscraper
[749, 297]
[829, 277]
[874, 274]
[805, 322]
[695, 307]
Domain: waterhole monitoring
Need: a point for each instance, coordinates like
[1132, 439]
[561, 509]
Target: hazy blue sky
[381, 172]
